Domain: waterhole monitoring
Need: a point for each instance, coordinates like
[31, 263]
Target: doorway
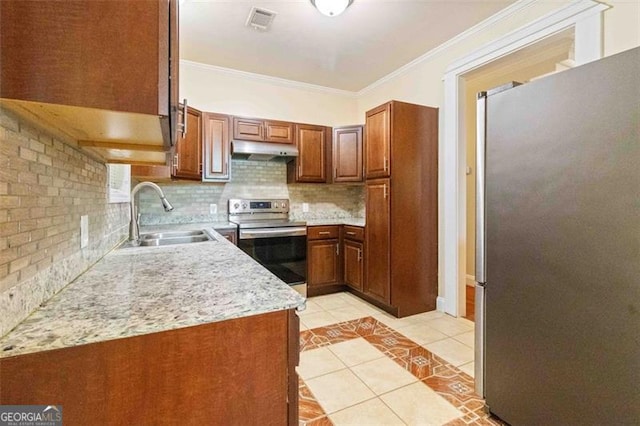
[585, 21]
[548, 56]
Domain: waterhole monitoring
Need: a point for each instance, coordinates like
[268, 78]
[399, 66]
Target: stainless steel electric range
[267, 235]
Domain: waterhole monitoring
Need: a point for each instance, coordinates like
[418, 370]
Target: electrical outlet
[213, 209]
[305, 207]
[84, 231]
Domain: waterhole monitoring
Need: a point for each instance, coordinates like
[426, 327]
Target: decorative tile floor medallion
[446, 380]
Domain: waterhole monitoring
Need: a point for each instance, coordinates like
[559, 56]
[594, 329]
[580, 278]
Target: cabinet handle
[324, 233]
[351, 233]
[359, 255]
[175, 163]
[184, 117]
[337, 249]
[385, 191]
[386, 163]
[335, 176]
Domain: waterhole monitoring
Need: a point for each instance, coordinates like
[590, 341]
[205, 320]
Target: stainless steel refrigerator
[558, 247]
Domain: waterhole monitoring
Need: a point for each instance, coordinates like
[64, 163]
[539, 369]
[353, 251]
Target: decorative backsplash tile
[250, 179]
[45, 186]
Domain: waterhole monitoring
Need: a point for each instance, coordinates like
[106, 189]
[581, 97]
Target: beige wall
[212, 90]
[621, 26]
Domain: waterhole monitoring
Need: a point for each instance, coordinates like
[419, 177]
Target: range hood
[264, 151]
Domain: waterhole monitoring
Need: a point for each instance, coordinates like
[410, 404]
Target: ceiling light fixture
[331, 7]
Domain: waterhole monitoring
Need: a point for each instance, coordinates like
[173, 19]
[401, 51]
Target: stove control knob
[236, 205]
[284, 205]
[244, 206]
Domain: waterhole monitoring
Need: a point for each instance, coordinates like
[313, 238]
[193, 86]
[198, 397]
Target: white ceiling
[368, 41]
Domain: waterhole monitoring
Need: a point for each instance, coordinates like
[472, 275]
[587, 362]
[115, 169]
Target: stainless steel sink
[169, 238]
[173, 234]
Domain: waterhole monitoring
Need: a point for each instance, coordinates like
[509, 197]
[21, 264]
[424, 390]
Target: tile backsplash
[250, 179]
[46, 184]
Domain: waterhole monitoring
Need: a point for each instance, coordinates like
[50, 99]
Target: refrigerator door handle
[481, 274]
[481, 125]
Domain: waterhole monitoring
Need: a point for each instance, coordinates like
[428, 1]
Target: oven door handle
[250, 234]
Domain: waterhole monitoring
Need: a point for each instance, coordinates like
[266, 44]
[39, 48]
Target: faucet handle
[138, 218]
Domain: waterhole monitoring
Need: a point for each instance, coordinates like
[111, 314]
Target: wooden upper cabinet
[311, 163]
[254, 129]
[216, 143]
[278, 131]
[378, 142]
[248, 129]
[187, 159]
[377, 239]
[105, 55]
[347, 154]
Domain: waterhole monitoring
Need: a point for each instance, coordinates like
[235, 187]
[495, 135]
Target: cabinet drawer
[322, 232]
[354, 233]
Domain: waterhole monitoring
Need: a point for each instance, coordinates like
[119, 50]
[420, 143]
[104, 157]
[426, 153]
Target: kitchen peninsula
[158, 334]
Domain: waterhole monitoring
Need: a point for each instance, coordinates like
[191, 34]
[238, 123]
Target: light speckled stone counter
[353, 221]
[135, 291]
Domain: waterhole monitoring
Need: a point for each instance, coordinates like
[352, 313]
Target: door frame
[585, 17]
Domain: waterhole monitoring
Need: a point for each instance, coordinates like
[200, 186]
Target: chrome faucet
[134, 224]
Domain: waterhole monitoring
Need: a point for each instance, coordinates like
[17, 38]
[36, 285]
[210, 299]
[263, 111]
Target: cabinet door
[187, 160]
[311, 161]
[216, 147]
[108, 55]
[278, 131]
[378, 142]
[353, 264]
[347, 154]
[248, 129]
[377, 236]
[323, 262]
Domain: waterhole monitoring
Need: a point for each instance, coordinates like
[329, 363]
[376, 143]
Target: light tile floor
[356, 383]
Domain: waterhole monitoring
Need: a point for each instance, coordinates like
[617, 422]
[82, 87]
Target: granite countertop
[353, 221]
[142, 290]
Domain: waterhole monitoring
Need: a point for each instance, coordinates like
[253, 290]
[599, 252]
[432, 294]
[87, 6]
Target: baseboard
[470, 280]
[440, 304]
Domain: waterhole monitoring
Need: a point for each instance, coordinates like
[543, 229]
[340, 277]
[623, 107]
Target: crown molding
[492, 20]
[269, 79]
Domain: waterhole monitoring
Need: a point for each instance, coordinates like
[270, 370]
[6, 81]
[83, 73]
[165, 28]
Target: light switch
[305, 207]
[213, 209]
[84, 231]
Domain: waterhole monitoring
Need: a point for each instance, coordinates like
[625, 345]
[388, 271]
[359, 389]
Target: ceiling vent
[260, 19]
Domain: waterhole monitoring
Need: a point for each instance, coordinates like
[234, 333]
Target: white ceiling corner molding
[584, 16]
[269, 79]
[503, 14]
[549, 24]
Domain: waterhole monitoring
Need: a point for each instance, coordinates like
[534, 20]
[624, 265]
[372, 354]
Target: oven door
[283, 251]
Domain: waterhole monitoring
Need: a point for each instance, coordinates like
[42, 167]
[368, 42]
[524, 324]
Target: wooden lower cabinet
[232, 372]
[377, 238]
[229, 234]
[353, 264]
[323, 262]
[324, 273]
